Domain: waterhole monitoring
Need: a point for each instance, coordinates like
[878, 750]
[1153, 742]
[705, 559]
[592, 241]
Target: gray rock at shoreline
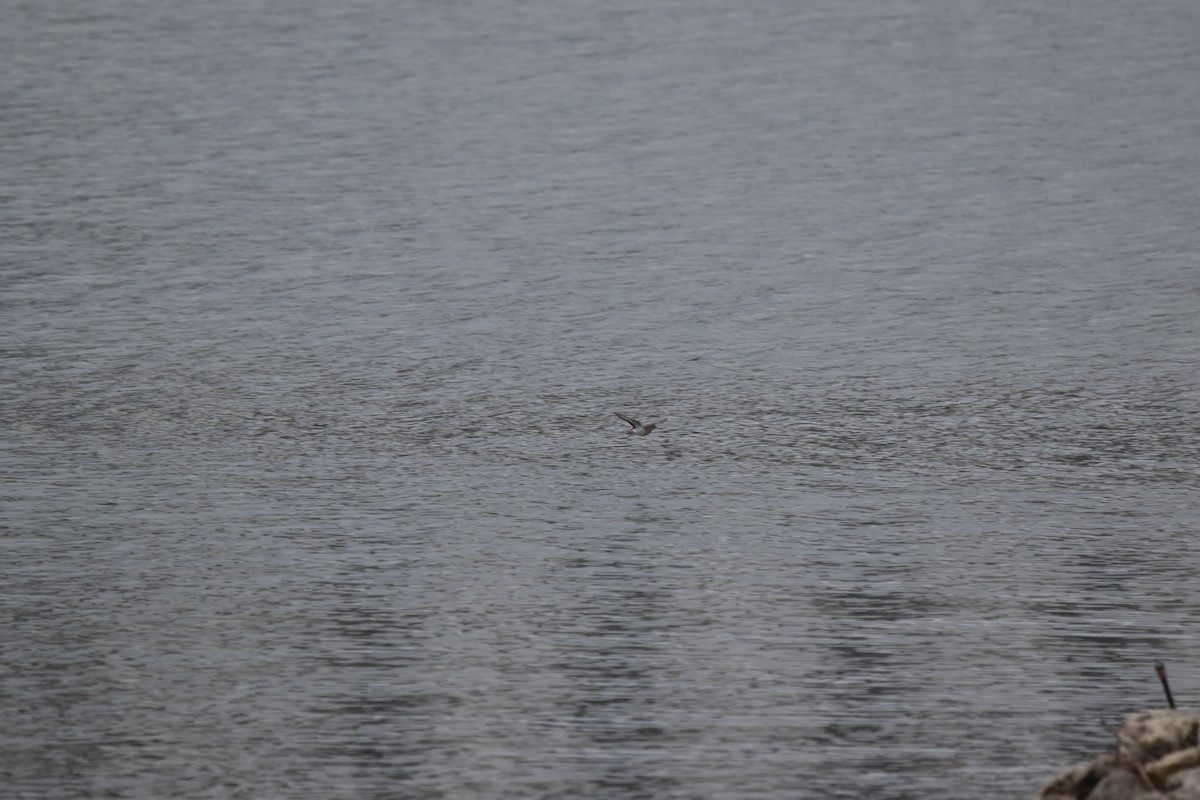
[1157, 756]
[1122, 784]
[1150, 735]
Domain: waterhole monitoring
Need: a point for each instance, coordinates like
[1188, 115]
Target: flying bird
[636, 427]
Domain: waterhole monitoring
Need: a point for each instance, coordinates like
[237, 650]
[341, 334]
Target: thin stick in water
[1162, 676]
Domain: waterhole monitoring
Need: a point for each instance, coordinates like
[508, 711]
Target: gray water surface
[315, 316]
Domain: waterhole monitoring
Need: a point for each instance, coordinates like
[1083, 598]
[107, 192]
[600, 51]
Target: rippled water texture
[315, 318]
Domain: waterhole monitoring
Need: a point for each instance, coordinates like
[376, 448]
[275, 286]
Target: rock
[1121, 784]
[1078, 782]
[1150, 735]
[1163, 745]
[1185, 785]
[1159, 771]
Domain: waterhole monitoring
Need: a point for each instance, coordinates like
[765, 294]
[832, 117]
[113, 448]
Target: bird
[636, 427]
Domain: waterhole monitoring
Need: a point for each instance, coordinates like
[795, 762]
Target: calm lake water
[316, 314]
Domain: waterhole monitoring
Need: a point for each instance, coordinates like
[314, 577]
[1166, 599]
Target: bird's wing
[632, 422]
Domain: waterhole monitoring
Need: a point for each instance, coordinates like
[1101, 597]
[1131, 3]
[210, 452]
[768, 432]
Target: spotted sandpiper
[636, 427]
